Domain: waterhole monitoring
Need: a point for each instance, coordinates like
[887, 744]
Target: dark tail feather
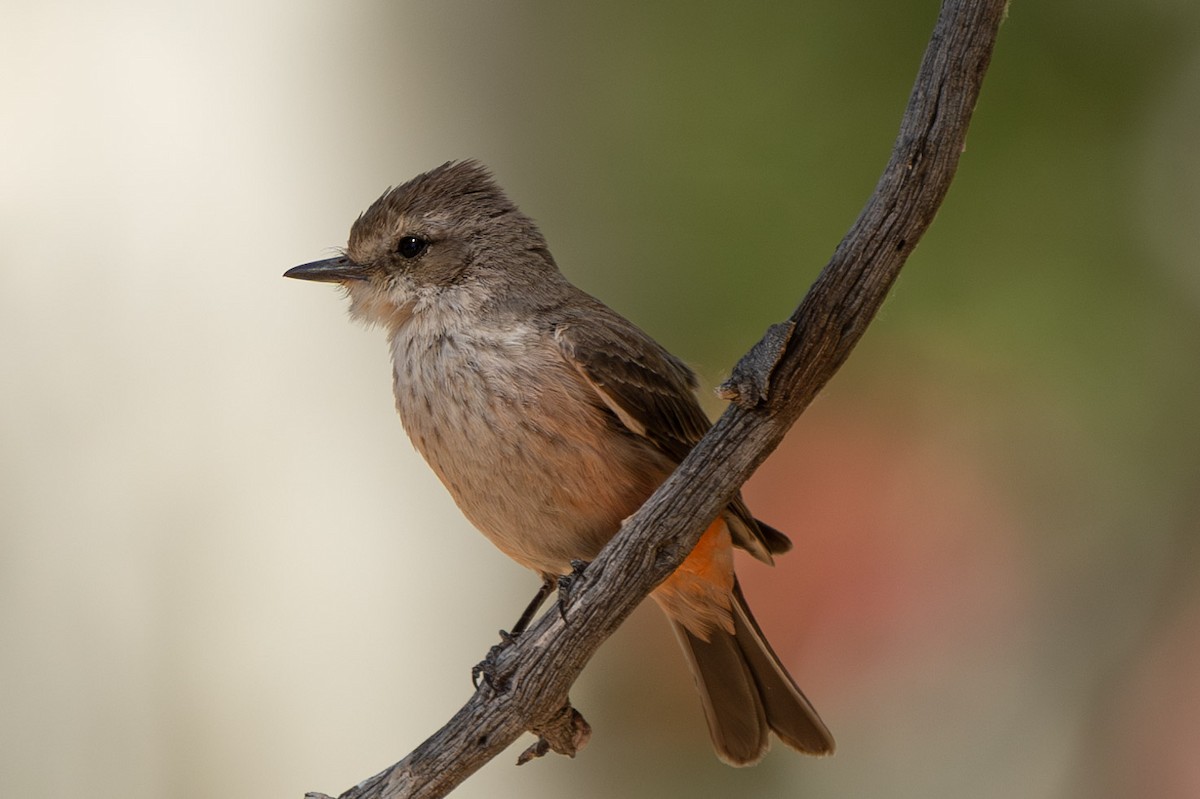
[747, 693]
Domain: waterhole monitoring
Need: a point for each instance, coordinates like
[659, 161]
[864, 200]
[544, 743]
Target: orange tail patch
[698, 594]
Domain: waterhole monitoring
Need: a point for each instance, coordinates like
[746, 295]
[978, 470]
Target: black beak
[331, 270]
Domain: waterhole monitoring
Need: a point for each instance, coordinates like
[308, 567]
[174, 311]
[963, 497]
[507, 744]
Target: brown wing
[652, 393]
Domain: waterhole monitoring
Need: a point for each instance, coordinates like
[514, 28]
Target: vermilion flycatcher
[550, 418]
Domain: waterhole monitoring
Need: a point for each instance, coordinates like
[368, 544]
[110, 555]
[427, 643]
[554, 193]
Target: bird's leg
[565, 582]
[548, 584]
[487, 667]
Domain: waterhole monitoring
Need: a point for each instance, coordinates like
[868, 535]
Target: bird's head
[449, 228]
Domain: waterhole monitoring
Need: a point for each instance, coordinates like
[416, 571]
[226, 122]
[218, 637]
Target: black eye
[411, 246]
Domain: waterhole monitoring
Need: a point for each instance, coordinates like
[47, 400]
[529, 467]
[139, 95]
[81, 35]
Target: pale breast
[527, 449]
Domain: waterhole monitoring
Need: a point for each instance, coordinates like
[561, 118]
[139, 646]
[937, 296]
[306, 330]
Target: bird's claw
[565, 583]
[486, 668]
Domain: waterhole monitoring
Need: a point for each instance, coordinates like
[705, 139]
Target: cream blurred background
[223, 571]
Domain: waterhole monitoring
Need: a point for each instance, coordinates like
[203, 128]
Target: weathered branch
[769, 389]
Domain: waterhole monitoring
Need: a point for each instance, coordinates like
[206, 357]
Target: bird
[550, 418]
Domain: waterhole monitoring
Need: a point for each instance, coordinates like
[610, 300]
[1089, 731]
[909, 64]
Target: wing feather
[652, 393]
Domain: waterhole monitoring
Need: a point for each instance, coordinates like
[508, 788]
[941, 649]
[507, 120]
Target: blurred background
[223, 570]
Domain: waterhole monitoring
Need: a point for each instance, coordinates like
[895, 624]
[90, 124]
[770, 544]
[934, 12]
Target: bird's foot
[488, 668]
[565, 583]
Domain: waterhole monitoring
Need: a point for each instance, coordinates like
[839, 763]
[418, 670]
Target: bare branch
[769, 389]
